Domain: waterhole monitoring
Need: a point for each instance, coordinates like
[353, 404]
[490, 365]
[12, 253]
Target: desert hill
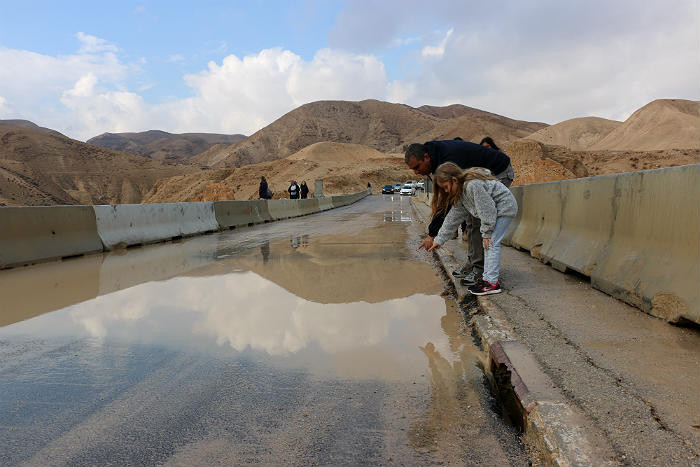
[39, 167]
[577, 134]
[30, 125]
[661, 124]
[161, 145]
[383, 126]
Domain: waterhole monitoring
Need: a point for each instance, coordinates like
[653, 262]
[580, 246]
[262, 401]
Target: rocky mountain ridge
[161, 145]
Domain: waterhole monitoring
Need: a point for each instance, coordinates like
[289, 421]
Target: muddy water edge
[323, 339]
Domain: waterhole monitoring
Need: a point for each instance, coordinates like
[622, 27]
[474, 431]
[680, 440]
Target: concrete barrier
[283, 208]
[324, 204]
[34, 234]
[241, 213]
[634, 234]
[341, 200]
[308, 206]
[124, 269]
[122, 225]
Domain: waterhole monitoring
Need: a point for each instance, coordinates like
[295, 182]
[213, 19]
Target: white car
[410, 182]
[421, 185]
[408, 190]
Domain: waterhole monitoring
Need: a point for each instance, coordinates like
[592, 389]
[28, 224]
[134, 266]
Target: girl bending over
[476, 192]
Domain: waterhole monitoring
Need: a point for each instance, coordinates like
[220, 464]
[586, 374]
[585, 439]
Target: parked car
[397, 188]
[388, 189]
[408, 190]
[421, 185]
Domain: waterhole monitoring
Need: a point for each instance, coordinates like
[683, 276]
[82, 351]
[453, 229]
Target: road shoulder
[585, 396]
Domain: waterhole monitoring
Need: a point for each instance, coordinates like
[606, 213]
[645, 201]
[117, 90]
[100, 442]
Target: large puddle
[343, 300]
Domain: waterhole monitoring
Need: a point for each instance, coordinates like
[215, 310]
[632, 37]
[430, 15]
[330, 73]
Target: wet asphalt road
[318, 340]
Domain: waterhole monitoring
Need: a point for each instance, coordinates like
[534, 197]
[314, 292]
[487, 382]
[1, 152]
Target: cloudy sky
[85, 68]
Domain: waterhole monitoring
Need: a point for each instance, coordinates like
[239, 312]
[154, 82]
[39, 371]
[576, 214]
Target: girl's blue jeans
[492, 256]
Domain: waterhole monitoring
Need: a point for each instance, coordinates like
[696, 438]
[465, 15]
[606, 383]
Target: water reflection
[244, 312]
[30, 291]
[398, 216]
[453, 371]
[299, 240]
[265, 251]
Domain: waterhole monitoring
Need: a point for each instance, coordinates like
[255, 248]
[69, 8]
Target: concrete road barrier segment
[122, 225]
[308, 206]
[241, 213]
[634, 234]
[283, 208]
[34, 234]
[324, 204]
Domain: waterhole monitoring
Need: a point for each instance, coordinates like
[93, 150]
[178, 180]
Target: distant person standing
[293, 190]
[304, 190]
[263, 189]
[489, 143]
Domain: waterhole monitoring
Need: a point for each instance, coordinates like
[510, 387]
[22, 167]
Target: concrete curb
[553, 425]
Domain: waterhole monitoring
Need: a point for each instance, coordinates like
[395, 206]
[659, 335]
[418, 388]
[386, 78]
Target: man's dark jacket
[465, 155]
[262, 189]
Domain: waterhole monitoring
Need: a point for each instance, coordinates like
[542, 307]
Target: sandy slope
[577, 134]
[661, 124]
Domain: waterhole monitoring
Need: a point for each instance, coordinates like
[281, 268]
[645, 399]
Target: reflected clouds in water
[240, 310]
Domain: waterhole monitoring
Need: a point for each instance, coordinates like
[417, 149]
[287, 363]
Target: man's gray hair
[415, 151]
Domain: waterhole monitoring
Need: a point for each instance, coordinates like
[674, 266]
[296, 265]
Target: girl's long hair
[446, 172]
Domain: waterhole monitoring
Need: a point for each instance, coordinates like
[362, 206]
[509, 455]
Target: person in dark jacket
[304, 190]
[262, 189]
[425, 158]
[293, 190]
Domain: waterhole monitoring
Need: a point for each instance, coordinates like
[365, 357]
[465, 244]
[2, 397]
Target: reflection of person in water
[449, 397]
[298, 241]
[265, 251]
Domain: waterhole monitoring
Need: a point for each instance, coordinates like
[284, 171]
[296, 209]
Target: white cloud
[87, 95]
[4, 108]
[99, 109]
[175, 58]
[546, 62]
[33, 85]
[93, 44]
[243, 95]
[439, 50]
[607, 79]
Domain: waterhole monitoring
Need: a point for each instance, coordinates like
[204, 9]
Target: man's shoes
[471, 278]
[485, 288]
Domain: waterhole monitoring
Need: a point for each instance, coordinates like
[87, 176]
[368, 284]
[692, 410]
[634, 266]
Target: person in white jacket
[474, 191]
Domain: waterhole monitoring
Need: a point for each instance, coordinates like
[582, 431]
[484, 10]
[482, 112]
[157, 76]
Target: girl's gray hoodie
[485, 199]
